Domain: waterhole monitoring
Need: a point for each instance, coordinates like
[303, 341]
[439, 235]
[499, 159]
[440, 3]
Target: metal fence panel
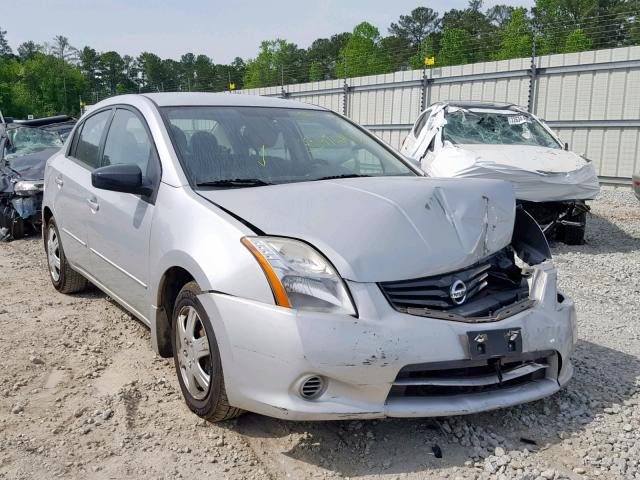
[592, 99]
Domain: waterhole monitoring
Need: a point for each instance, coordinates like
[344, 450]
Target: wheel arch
[171, 281]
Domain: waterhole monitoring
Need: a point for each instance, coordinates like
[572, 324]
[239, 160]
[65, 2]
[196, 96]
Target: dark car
[25, 147]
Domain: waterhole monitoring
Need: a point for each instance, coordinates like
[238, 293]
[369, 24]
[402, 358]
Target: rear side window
[128, 142]
[88, 147]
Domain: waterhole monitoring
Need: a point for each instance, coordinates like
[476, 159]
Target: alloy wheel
[53, 254]
[193, 354]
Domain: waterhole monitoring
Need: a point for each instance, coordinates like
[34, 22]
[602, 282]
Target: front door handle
[93, 204]
[59, 181]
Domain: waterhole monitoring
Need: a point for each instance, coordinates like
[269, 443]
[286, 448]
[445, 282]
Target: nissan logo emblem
[458, 292]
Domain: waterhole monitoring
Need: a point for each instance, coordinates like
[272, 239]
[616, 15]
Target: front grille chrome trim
[501, 314]
[477, 381]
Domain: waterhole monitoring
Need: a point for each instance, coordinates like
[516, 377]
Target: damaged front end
[564, 221]
[25, 147]
[493, 289]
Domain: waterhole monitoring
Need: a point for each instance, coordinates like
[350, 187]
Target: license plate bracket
[494, 343]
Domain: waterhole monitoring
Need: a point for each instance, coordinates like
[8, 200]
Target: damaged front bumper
[269, 352]
[19, 214]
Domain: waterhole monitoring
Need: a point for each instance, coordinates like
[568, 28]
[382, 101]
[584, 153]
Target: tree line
[55, 77]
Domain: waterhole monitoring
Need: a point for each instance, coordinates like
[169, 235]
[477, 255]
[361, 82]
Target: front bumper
[266, 351]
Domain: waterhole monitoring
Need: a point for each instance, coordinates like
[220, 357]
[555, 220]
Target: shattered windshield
[495, 128]
[234, 147]
[27, 140]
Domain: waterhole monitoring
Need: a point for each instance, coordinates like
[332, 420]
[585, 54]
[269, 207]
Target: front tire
[197, 358]
[64, 278]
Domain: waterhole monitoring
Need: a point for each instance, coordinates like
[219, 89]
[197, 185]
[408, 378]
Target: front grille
[433, 292]
[495, 286]
[465, 377]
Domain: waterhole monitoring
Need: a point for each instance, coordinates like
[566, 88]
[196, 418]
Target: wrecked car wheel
[63, 277]
[574, 234]
[197, 358]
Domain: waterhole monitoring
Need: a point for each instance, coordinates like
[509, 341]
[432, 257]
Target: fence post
[345, 98]
[283, 92]
[425, 93]
[533, 75]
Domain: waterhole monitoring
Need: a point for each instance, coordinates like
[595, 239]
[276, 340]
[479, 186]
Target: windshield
[495, 128]
[255, 146]
[26, 140]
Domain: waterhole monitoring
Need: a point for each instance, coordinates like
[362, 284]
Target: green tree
[399, 52]
[5, 50]
[500, 15]
[363, 54]
[277, 60]
[322, 56]
[516, 38]
[454, 47]
[416, 27]
[89, 63]
[27, 50]
[482, 39]
[576, 41]
[112, 71]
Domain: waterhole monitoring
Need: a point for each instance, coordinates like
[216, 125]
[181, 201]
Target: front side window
[128, 142]
[471, 126]
[421, 122]
[218, 145]
[88, 147]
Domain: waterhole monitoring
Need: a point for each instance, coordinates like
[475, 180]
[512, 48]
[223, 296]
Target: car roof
[471, 104]
[220, 99]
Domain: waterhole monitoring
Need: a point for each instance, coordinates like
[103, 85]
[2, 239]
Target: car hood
[538, 174]
[386, 228]
[31, 166]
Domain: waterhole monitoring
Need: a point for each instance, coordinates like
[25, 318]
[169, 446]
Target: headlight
[300, 276]
[28, 187]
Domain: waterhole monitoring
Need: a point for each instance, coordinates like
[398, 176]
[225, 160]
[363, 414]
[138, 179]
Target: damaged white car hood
[538, 174]
[386, 228]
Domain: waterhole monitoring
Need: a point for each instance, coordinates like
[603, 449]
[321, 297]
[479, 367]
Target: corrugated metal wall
[592, 99]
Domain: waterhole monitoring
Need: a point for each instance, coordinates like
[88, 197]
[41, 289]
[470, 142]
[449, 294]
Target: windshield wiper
[235, 183]
[347, 175]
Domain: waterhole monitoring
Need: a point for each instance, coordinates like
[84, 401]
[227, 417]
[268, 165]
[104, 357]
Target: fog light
[312, 387]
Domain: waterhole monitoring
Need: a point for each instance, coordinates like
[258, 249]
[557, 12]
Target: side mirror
[121, 178]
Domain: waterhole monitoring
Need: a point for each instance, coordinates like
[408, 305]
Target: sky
[222, 30]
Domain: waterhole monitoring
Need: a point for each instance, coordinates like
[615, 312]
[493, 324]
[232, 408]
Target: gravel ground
[82, 395]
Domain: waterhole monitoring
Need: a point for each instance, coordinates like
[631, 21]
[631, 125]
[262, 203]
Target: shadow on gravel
[603, 379]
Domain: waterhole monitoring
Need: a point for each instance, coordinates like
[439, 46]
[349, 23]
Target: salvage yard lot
[82, 395]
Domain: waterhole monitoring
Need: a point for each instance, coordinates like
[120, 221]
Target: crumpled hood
[386, 228]
[26, 167]
[538, 174]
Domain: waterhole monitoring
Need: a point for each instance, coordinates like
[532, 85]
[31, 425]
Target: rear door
[119, 231]
[72, 180]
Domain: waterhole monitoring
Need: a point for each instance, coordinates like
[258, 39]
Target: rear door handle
[59, 181]
[93, 204]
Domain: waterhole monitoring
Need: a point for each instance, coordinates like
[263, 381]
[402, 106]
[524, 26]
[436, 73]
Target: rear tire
[574, 235]
[198, 367]
[64, 278]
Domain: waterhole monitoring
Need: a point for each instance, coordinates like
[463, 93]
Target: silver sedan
[294, 265]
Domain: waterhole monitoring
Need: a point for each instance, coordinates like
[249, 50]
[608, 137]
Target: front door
[119, 231]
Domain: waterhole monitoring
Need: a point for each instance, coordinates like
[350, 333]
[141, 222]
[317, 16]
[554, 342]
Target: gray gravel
[83, 396]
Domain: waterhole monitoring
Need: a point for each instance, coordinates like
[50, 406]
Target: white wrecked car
[504, 141]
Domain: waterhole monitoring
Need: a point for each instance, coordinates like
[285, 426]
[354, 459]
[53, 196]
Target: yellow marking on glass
[263, 161]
